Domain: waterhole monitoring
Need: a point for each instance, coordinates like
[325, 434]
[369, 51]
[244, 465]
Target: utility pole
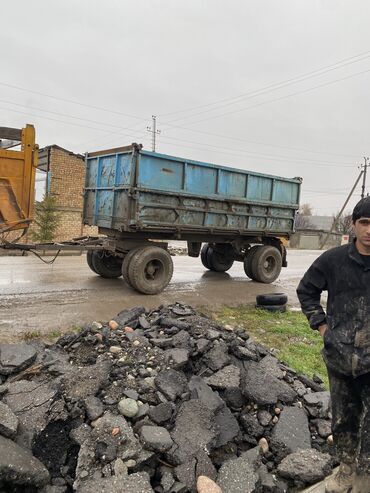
[153, 130]
[364, 168]
[342, 209]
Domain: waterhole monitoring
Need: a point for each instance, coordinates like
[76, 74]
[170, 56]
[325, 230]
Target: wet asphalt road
[39, 297]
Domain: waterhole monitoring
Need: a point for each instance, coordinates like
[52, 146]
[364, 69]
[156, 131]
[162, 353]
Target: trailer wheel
[266, 264]
[217, 261]
[248, 261]
[150, 270]
[89, 255]
[204, 256]
[106, 264]
[126, 263]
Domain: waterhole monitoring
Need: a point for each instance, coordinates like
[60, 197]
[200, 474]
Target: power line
[342, 189]
[258, 143]
[324, 192]
[276, 158]
[238, 139]
[176, 126]
[304, 76]
[303, 91]
[262, 92]
[64, 122]
[78, 103]
[264, 156]
[128, 128]
[284, 159]
[259, 155]
[321, 71]
[65, 115]
[218, 149]
[269, 160]
[86, 143]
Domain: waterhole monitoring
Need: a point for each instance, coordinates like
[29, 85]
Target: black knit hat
[362, 209]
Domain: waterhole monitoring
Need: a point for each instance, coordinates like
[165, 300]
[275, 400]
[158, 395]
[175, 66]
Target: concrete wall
[312, 240]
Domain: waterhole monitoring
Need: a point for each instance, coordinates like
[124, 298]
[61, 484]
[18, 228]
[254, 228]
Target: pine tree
[46, 220]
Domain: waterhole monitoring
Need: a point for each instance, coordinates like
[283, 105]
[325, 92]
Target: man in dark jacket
[344, 272]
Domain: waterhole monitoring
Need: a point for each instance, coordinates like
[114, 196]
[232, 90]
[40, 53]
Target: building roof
[44, 155]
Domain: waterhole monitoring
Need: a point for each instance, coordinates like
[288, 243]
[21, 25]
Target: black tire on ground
[126, 263]
[266, 264]
[89, 255]
[204, 256]
[217, 261]
[272, 308]
[271, 299]
[106, 264]
[248, 261]
[150, 270]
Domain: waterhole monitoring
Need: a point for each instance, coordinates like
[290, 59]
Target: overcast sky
[231, 82]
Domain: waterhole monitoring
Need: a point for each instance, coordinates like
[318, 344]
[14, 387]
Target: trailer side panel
[144, 191]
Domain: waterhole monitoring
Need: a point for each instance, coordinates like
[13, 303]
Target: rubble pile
[158, 401]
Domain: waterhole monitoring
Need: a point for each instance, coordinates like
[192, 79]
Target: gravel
[153, 402]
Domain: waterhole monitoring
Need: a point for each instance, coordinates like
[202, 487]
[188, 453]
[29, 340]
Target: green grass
[56, 333]
[31, 334]
[288, 333]
[75, 328]
[49, 336]
[53, 335]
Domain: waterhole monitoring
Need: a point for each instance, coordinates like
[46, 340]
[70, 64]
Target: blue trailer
[140, 199]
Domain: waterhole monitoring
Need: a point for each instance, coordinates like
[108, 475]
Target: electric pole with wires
[364, 168]
[153, 130]
[335, 222]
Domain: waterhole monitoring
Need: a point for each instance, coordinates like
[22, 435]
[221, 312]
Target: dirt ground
[36, 297]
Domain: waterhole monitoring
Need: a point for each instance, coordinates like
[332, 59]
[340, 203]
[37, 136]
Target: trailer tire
[248, 261]
[126, 263]
[271, 299]
[106, 264]
[266, 264]
[150, 270]
[272, 308]
[89, 255]
[204, 256]
[217, 261]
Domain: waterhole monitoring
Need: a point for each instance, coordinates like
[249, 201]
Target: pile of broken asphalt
[151, 401]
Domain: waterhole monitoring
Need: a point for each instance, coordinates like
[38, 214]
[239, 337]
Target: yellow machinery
[17, 177]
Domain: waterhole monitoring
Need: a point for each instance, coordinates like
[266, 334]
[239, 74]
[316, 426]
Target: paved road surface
[35, 296]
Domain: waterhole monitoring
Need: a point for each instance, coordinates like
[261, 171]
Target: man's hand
[323, 329]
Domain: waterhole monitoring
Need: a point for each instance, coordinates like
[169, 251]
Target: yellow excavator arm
[17, 177]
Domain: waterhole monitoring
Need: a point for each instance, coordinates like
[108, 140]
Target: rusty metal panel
[11, 133]
[17, 180]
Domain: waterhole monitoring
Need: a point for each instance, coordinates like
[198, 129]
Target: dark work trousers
[350, 399]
